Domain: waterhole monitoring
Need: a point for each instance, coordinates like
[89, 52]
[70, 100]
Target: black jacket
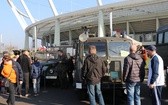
[93, 69]
[134, 68]
[25, 63]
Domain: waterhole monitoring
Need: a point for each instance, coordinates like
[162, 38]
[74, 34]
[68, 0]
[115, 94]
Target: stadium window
[166, 37]
[160, 38]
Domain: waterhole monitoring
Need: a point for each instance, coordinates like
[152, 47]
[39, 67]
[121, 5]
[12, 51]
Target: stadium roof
[129, 10]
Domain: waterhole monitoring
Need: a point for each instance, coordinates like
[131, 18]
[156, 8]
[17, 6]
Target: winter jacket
[9, 72]
[134, 68]
[156, 71]
[36, 70]
[93, 69]
[25, 63]
[18, 70]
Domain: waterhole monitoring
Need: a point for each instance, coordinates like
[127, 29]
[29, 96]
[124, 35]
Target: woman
[11, 70]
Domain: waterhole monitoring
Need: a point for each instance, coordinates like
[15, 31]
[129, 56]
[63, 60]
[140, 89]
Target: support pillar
[57, 33]
[35, 39]
[101, 30]
[70, 37]
[26, 46]
[157, 23]
[43, 42]
[111, 23]
[128, 30]
[46, 41]
[99, 2]
[50, 40]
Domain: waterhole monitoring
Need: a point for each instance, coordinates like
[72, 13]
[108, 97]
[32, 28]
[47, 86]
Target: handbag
[5, 81]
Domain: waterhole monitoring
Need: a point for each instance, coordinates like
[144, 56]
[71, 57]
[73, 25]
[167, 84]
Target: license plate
[51, 77]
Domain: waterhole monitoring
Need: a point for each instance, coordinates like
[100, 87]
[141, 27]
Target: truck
[162, 47]
[49, 61]
[112, 51]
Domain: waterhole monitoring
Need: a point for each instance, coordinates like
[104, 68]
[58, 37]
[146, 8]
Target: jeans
[91, 91]
[11, 98]
[133, 93]
[36, 85]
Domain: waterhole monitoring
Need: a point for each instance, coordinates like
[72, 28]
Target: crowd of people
[133, 74]
[20, 68]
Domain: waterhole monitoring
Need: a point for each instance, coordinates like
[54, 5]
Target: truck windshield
[118, 49]
[100, 46]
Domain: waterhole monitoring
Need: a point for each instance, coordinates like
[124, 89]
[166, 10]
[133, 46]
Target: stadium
[139, 19]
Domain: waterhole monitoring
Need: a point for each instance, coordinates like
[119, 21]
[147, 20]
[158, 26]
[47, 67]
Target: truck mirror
[83, 37]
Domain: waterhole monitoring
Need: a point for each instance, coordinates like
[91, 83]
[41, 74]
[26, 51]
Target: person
[25, 63]
[62, 69]
[35, 75]
[144, 53]
[3, 89]
[92, 72]
[12, 70]
[16, 54]
[156, 78]
[70, 70]
[133, 74]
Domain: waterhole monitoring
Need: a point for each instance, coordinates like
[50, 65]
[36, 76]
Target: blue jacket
[36, 70]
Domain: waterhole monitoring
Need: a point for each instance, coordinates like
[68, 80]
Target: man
[25, 62]
[92, 71]
[156, 78]
[11, 69]
[133, 74]
[3, 90]
[62, 69]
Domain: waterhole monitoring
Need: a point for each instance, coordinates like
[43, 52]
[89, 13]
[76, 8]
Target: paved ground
[51, 97]
[56, 96]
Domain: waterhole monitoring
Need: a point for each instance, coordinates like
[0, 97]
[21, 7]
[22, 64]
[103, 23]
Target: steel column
[55, 12]
[35, 39]
[157, 23]
[111, 23]
[101, 29]
[99, 2]
[57, 33]
[70, 37]
[50, 40]
[26, 46]
[128, 32]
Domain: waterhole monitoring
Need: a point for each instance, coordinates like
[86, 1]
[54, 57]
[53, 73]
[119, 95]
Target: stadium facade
[139, 19]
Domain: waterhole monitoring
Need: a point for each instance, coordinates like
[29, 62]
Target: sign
[114, 74]
[78, 85]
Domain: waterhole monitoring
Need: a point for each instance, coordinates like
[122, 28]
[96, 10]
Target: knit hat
[151, 48]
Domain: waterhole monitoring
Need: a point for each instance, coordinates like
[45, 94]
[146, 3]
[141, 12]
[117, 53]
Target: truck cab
[112, 50]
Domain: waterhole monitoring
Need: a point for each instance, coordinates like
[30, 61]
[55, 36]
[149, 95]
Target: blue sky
[10, 28]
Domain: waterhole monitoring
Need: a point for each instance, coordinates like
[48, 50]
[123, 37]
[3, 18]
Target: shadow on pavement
[51, 96]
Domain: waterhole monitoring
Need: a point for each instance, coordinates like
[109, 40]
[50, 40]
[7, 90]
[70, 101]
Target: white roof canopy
[130, 10]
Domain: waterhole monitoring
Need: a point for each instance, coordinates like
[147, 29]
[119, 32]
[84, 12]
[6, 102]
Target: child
[35, 75]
